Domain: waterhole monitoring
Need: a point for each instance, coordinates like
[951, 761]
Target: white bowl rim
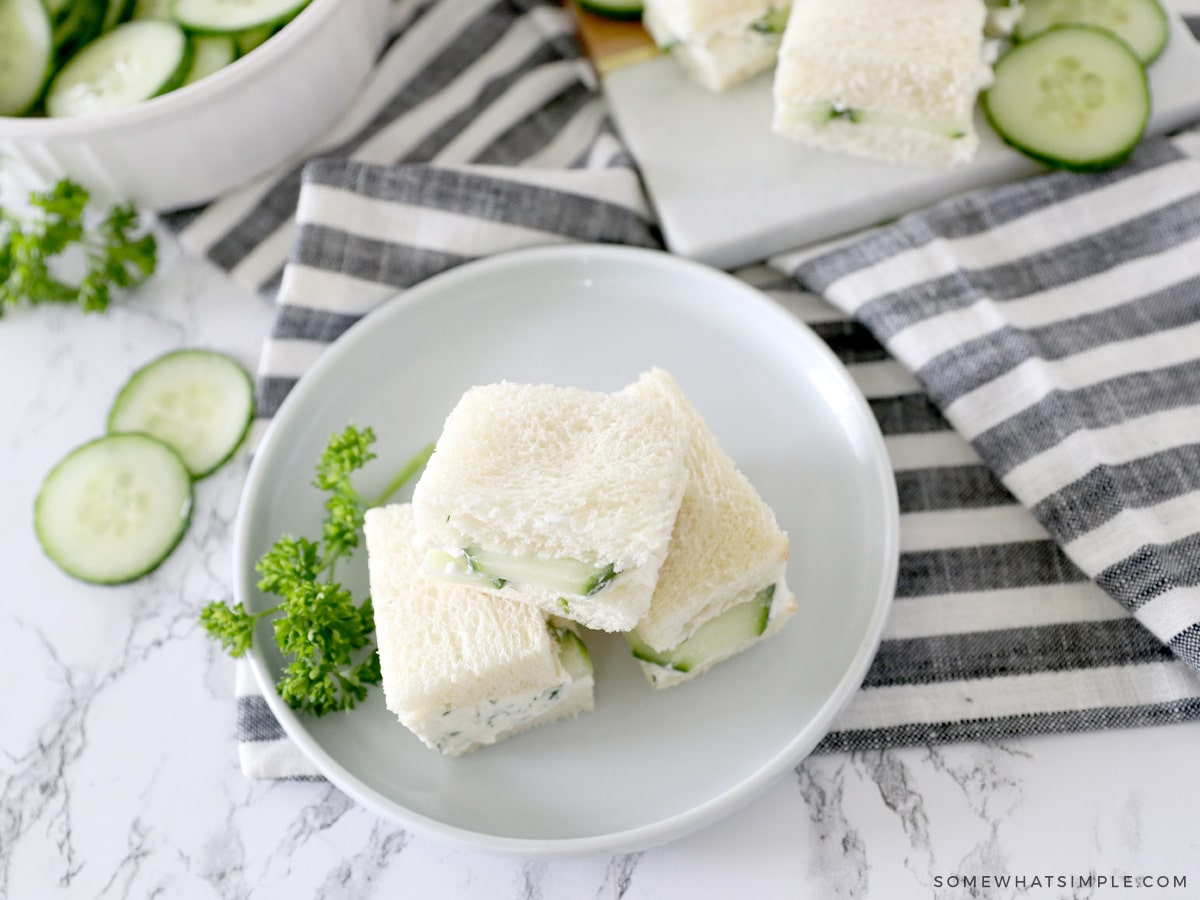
[296, 32]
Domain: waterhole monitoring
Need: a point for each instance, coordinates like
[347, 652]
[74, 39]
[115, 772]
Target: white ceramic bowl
[190, 145]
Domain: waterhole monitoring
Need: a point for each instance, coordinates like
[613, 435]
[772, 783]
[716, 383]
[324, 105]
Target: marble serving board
[729, 191]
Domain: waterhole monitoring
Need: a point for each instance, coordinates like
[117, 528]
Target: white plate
[646, 766]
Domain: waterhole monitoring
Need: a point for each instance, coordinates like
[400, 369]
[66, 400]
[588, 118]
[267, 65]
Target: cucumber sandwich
[462, 669]
[557, 497]
[721, 588]
[718, 42]
[882, 79]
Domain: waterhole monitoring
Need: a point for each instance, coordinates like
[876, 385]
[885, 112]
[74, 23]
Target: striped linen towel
[1057, 327]
[995, 632]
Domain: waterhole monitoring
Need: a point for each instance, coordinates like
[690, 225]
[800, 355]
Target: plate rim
[713, 808]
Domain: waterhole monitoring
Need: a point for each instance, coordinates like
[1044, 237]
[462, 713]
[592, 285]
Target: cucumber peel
[715, 638]
[573, 654]
[114, 509]
[225, 17]
[26, 54]
[621, 10]
[1142, 24]
[134, 62]
[198, 402]
[1075, 97]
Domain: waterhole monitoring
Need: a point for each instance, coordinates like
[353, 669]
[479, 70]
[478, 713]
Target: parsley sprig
[327, 636]
[32, 244]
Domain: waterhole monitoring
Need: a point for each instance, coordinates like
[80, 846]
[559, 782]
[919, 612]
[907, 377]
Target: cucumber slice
[118, 11]
[439, 564]
[1074, 97]
[572, 653]
[132, 63]
[1142, 24]
[209, 55]
[114, 509]
[565, 576]
[79, 25]
[484, 567]
[57, 8]
[625, 10]
[229, 16]
[197, 402]
[715, 637]
[152, 9]
[245, 41]
[26, 51]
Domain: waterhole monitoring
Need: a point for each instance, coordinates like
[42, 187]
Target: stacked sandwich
[888, 80]
[545, 510]
[718, 42]
[885, 80]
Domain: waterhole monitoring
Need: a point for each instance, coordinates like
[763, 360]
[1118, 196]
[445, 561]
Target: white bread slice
[882, 79]
[783, 606]
[559, 474]
[460, 669]
[726, 545]
[719, 43]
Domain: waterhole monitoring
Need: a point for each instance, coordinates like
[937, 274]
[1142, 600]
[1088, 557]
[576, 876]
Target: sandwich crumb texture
[726, 545]
[557, 473]
[700, 20]
[446, 646]
[888, 80]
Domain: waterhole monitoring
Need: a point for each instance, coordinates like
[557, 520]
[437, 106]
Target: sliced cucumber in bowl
[57, 8]
[231, 16]
[210, 54]
[252, 39]
[152, 9]
[26, 54]
[131, 63]
[118, 11]
[198, 402]
[114, 509]
[92, 56]
[81, 23]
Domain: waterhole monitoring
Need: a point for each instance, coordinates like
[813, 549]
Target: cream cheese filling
[456, 731]
[823, 112]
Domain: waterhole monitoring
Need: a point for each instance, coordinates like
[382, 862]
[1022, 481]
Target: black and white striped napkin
[1054, 324]
[481, 132]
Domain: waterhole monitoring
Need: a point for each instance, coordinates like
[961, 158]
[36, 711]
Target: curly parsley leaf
[232, 626]
[328, 637]
[289, 563]
[346, 453]
[62, 210]
[343, 524]
[32, 245]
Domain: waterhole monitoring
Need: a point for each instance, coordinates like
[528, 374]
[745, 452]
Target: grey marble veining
[842, 863]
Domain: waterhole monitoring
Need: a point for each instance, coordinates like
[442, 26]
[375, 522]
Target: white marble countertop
[118, 766]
